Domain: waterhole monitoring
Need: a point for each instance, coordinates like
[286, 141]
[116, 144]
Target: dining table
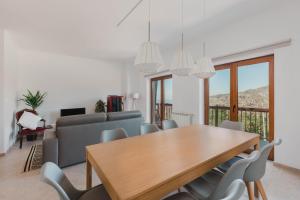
[153, 165]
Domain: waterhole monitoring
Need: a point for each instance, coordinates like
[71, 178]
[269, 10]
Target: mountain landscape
[253, 98]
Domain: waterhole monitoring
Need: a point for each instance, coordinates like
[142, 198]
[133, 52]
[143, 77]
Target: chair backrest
[236, 171]
[232, 125]
[235, 190]
[257, 169]
[115, 134]
[168, 124]
[54, 176]
[149, 128]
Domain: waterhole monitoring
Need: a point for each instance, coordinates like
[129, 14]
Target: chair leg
[21, 141]
[256, 193]
[261, 190]
[250, 192]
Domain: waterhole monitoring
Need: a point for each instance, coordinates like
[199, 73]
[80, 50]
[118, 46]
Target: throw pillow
[29, 120]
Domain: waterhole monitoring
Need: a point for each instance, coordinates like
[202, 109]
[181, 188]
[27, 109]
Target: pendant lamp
[183, 62]
[204, 67]
[149, 59]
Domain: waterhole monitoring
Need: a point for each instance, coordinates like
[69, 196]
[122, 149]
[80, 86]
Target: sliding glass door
[243, 91]
[253, 98]
[161, 99]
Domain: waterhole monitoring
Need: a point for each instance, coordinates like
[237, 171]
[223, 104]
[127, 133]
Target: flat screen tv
[72, 111]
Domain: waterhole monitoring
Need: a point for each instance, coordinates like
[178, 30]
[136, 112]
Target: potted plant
[100, 106]
[33, 100]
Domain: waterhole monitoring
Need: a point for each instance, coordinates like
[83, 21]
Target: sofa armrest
[50, 150]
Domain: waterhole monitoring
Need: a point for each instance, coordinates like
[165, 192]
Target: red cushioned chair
[25, 131]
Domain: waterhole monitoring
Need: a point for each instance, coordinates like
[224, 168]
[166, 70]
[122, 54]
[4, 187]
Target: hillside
[254, 98]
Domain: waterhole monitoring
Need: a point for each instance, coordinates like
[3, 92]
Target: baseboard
[8, 150]
[286, 167]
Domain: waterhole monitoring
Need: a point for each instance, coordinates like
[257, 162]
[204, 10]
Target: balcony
[255, 120]
[167, 109]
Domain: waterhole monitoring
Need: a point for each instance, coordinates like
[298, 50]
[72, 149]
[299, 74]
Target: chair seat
[28, 131]
[96, 193]
[181, 196]
[226, 165]
[203, 186]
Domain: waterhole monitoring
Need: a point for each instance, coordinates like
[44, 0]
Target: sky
[249, 77]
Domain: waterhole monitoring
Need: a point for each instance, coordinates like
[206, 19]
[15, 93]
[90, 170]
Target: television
[72, 111]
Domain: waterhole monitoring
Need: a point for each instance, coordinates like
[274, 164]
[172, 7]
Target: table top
[134, 166]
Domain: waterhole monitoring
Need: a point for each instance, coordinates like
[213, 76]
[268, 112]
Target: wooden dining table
[153, 165]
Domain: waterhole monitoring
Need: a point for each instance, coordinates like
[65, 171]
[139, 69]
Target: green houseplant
[33, 100]
[100, 106]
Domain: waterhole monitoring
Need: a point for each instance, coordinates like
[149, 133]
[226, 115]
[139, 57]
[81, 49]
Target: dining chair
[233, 125]
[54, 176]
[256, 170]
[149, 128]
[213, 185]
[238, 126]
[168, 124]
[233, 192]
[114, 134]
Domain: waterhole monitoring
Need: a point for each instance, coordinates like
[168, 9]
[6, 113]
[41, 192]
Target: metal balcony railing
[255, 120]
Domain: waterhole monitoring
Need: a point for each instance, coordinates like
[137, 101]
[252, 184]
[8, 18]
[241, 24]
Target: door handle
[233, 108]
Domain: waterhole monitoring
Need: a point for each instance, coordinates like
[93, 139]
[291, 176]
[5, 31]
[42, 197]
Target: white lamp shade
[148, 59]
[204, 68]
[183, 63]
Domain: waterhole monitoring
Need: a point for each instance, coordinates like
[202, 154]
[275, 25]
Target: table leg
[88, 175]
[256, 147]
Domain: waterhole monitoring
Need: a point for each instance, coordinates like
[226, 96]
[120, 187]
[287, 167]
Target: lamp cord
[149, 20]
[181, 21]
[204, 9]
[204, 16]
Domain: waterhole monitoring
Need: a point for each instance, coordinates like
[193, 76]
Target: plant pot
[31, 137]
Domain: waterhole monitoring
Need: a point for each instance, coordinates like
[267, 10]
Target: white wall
[1, 89]
[186, 96]
[9, 90]
[69, 81]
[136, 82]
[277, 23]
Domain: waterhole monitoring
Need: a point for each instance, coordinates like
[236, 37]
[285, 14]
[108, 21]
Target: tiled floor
[279, 183]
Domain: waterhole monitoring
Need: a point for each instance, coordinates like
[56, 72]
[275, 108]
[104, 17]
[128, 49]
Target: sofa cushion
[112, 116]
[81, 119]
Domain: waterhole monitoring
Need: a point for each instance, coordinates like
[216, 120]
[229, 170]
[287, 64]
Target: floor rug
[35, 158]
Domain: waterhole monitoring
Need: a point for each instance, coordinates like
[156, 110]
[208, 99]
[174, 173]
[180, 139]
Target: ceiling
[87, 28]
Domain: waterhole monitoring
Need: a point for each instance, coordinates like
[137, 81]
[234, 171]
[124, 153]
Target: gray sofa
[74, 133]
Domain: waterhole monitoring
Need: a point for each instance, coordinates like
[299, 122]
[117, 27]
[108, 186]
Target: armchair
[22, 131]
